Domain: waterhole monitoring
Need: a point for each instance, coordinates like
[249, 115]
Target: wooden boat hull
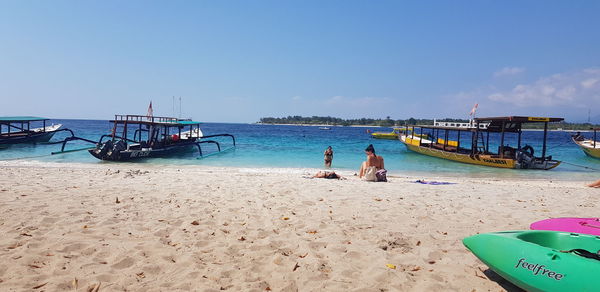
[539, 260]
[386, 136]
[38, 135]
[484, 160]
[477, 159]
[587, 147]
[143, 153]
[33, 138]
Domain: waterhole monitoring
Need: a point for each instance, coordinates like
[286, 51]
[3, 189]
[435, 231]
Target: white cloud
[568, 94]
[589, 83]
[578, 89]
[507, 71]
[296, 98]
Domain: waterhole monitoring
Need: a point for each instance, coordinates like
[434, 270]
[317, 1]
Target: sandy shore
[142, 228]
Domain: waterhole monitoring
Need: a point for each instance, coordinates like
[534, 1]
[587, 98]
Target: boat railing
[470, 125]
[149, 119]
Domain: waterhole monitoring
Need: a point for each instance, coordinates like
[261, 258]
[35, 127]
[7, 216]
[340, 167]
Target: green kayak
[541, 260]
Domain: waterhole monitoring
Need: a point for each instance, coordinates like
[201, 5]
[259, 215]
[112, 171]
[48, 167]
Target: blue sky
[237, 61]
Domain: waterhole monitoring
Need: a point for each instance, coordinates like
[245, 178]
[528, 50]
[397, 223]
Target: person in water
[374, 163]
[328, 156]
[595, 184]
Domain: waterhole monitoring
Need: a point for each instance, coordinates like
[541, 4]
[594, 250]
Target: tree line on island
[389, 122]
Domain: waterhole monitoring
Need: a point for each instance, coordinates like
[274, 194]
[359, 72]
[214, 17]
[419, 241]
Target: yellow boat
[476, 149]
[591, 147]
[393, 135]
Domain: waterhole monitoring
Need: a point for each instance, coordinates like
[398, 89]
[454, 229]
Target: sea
[291, 146]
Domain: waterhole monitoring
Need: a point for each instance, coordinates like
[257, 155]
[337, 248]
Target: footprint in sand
[50, 220]
[73, 247]
[124, 263]
[162, 232]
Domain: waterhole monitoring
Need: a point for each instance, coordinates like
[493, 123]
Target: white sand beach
[126, 227]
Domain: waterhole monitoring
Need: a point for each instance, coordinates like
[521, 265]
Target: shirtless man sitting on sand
[372, 160]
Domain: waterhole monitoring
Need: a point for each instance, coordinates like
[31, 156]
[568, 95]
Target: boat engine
[116, 149]
[525, 156]
[102, 149]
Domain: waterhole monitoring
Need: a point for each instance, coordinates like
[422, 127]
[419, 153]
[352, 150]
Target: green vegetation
[389, 122]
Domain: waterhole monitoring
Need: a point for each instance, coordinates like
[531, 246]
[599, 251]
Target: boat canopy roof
[153, 120]
[510, 124]
[513, 123]
[190, 122]
[518, 119]
[21, 119]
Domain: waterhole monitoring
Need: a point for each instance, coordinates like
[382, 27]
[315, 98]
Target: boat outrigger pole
[214, 142]
[71, 138]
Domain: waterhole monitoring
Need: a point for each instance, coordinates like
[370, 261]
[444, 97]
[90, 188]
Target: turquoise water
[303, 146]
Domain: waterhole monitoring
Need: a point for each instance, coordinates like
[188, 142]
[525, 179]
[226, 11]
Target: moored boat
[393, 135]
[541, 260]
[152, 137]
[590, 147]
[18, 130]
[445, 142]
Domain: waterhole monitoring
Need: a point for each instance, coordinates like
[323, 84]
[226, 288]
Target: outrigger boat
[152, 137]
[591, 147]
[393, 135]
[18, 130]
[477, 149]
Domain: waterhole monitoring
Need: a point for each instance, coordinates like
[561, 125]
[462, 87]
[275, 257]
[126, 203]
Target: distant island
[389, 122]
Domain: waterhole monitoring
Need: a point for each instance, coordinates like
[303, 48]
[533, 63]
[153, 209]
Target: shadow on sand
[508, 286]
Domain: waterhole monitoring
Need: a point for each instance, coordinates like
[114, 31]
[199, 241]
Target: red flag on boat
[150, 111]
[474, 109]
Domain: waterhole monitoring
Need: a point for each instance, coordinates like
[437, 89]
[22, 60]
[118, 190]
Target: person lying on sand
[595, 184]
[327, 174]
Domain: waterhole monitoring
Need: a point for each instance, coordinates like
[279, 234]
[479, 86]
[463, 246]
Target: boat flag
[473, 110]
[150, 111]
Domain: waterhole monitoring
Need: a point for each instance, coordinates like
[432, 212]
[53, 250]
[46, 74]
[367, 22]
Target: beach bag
[371, 173]
[381, 175]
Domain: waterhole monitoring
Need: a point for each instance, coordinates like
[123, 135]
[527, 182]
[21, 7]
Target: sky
[238, 61]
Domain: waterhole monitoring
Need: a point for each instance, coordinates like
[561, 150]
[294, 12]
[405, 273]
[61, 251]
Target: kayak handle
[588, 225]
